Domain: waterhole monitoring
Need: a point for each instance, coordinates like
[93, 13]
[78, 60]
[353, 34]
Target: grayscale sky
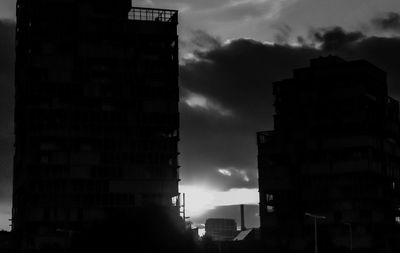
[231, 51]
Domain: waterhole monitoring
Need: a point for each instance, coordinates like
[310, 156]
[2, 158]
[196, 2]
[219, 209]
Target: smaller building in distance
[221, 229]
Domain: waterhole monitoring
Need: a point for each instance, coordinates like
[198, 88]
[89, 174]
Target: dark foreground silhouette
[146, 231]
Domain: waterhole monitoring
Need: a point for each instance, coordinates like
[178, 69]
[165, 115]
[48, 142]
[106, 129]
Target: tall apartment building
[334, 152]
[96, 114]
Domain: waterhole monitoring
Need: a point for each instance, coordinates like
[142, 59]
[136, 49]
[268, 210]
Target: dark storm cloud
[238, 75]
[389, 22]
[334, 39]
[6, 107]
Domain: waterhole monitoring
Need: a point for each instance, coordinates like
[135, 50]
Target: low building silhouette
[334, 152]
[221, 229]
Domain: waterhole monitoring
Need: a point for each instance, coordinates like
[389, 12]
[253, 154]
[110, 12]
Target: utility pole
[315, 228]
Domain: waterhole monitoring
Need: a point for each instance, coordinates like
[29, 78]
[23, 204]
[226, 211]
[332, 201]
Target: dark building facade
[334, 152]
[96, 114]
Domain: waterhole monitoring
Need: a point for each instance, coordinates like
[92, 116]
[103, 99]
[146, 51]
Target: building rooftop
[152, 14]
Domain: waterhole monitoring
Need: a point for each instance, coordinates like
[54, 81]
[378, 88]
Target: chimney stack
[242, 227]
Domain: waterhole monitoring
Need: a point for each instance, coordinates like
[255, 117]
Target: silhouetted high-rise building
[334, 152]
[96, 114]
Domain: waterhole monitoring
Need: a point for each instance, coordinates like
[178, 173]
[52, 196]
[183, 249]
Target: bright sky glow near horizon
[202, 198]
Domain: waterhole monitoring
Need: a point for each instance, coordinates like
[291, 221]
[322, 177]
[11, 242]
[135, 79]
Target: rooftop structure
[152, 14]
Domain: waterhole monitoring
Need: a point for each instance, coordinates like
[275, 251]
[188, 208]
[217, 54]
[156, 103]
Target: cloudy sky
[231, 52]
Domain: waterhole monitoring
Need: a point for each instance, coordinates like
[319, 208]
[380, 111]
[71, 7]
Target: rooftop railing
[155, 15]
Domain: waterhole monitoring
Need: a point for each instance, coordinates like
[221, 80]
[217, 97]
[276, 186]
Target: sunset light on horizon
[200, 198]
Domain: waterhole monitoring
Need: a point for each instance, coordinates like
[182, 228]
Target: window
[154, 106]
[175, 200]
[85, 147]
[269, 197]
[366, 214]
[46, 214]
[261, 139]
[80, 214]
[48, 146]
[44, 159]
